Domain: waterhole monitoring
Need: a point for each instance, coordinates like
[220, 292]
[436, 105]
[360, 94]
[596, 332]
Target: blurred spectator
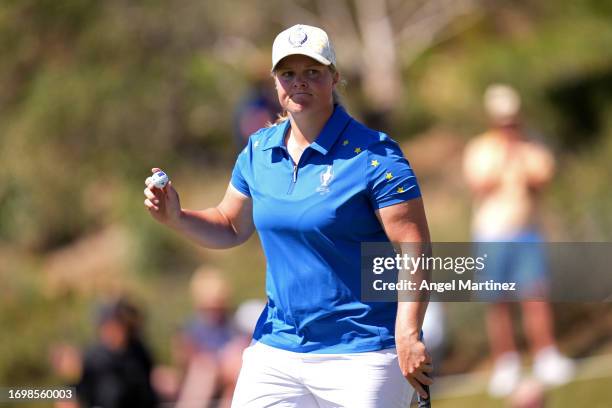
[117, 368]
[528, 394]
[506, 171]
[434, 330]
[247, 314]
[211, 346]
[66, 362]
[258, 107]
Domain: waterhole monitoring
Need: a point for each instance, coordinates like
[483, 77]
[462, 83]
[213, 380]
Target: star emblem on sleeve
[388, 176]
[358, 150]
[375, 163]
[345, 142]
[256, 144]
[400, 189]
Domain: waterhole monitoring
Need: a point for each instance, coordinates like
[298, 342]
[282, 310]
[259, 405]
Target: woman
[507, 172]
[315, 186]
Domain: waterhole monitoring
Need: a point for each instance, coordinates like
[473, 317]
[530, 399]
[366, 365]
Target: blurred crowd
[118, 369]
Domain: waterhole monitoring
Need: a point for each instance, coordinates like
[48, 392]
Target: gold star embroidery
[375, 163]
[400, 189]
[389, 176]
[358, 150]
[345, 143]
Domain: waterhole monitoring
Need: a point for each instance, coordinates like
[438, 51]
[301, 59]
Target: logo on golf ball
[159, 179]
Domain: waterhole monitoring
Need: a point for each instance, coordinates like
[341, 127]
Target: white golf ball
[160, 179]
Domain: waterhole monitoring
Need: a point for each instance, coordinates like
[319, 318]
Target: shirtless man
[506, 173]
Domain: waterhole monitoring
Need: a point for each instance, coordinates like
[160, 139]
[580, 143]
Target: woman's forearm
[209, 228]
[409, 320]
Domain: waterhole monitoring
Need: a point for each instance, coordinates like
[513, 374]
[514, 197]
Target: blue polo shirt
[311, 218]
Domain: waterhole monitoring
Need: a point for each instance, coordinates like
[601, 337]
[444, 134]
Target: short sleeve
[238, 174]
[391, 180]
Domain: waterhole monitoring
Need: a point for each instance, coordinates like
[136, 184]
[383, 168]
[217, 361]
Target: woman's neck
[305, 128]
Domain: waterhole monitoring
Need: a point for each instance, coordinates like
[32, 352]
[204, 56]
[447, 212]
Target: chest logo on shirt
[326, 178]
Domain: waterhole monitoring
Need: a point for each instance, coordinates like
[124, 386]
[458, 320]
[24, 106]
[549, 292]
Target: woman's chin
[298, 107]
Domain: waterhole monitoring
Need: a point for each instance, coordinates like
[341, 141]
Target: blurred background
[93, 94]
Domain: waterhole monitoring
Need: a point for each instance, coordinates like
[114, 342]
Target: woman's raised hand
[163, 203]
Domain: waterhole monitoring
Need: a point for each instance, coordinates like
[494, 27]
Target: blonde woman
[315, 186]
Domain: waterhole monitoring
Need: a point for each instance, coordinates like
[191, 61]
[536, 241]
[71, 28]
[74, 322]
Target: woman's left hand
[414, 361]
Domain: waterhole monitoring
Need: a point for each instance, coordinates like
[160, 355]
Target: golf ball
[159, 179]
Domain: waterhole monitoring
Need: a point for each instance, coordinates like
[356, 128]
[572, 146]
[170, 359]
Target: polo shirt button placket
[294, 174]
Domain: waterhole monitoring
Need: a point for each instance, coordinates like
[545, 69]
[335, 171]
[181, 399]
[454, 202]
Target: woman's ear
[335, 78]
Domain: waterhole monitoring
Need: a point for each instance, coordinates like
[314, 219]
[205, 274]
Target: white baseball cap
[502, 102]
[303, 40]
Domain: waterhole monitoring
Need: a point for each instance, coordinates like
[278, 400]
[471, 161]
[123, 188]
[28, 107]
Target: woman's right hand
[163, 204]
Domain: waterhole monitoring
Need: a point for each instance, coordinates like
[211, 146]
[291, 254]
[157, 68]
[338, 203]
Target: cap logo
[298, 37]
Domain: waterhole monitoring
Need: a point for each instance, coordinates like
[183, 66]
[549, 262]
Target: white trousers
[272, 377]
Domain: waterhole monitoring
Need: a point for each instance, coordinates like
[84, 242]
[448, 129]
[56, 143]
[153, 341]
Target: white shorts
[272, 377]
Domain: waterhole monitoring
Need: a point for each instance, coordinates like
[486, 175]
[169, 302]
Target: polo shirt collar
[329, 134]
[277, 136]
